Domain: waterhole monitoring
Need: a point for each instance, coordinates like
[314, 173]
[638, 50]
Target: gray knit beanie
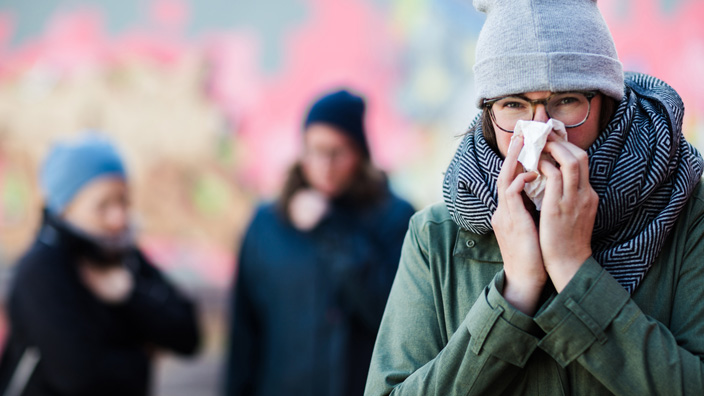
[545, 45]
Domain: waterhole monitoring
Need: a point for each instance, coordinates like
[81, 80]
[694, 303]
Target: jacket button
[470, 243]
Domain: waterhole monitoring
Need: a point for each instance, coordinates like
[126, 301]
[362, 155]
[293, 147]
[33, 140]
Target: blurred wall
[205, 98]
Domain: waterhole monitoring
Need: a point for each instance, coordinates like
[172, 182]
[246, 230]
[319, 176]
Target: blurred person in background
[316, 266]
[600, 291]
[87, 310]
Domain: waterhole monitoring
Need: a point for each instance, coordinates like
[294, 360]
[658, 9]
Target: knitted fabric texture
[344, 111]
[530, 45]
[71, 165]
[642, 168]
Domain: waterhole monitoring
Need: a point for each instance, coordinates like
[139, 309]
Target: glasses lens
[571, 108]
[509, 110]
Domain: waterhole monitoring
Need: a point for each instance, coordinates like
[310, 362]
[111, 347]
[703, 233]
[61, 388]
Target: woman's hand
[517, 235]
[307, 208]
[112, 285]
[568, 212]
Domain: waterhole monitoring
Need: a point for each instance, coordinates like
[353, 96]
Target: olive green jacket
[447, 330]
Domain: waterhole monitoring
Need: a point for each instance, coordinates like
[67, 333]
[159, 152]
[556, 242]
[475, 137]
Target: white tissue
[535, 135]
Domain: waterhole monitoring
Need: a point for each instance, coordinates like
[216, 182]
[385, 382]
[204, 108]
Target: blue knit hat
[344, 111]
[543, 45]
[71, 165]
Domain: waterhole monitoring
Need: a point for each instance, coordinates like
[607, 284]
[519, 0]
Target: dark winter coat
[307, 305]
[88, 347]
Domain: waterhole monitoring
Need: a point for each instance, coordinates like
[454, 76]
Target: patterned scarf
[641, 166]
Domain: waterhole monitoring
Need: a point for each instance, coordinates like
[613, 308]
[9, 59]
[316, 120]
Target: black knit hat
[343, 110]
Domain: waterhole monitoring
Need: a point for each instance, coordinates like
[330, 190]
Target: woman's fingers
[553, 187]
[512, 181]
[568, 212]
[508, 169]
[574, 166]
[583, 160]
[517, 235]
[513, 195]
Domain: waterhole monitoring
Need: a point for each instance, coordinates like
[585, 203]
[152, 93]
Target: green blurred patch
[211, 195]
[14, 196]
[225, 152]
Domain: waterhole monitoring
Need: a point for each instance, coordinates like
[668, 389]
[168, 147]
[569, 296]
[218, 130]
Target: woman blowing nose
[598, 293]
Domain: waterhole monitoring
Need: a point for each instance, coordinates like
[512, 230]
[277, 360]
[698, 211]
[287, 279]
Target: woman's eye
[567, 101]
[513, 105]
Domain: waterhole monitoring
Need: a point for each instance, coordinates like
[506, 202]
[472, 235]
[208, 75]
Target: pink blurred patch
[668, 46]
[202, 263]
[7, 25]
[72, 42]
[170, 14]
[343, 43]
[234, 77]
[160, 49]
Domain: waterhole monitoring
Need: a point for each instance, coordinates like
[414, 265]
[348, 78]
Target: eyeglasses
[572, 108]
[335, 154]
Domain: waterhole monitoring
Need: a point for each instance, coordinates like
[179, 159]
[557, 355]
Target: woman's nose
[117, 219]
[540, 113]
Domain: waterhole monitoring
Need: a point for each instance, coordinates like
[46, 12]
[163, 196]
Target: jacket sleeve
[50, 312]
[159, 312]
[595, 323]
[413, 355]
[367, 272]
[244, 343]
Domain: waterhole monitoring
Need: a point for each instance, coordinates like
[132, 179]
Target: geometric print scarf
[642, 168]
